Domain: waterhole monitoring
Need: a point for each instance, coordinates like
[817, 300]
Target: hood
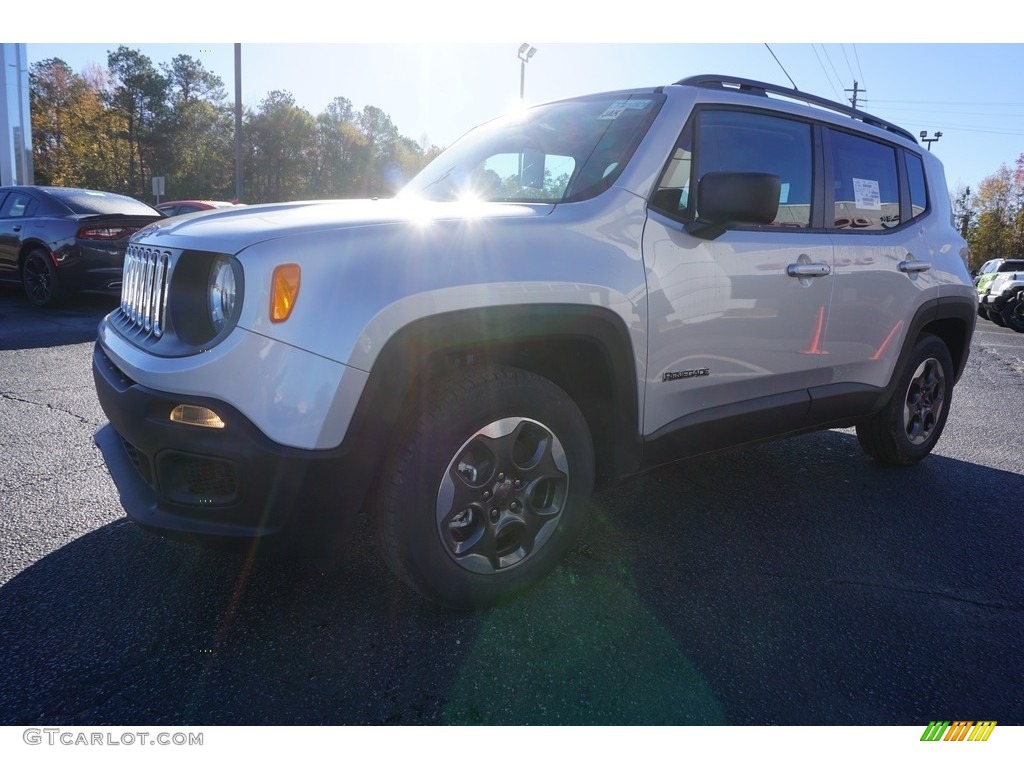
[229, 230]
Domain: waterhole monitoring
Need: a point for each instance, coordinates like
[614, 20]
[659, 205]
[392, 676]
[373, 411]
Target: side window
[17, 205]
[748, 141]
[672, 195]
[866, 186]
[918, 188]
[734, 141]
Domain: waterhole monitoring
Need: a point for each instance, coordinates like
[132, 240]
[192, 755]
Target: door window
[866, 186]
[742, 141]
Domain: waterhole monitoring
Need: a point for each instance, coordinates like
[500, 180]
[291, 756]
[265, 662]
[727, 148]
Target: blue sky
[970, 91]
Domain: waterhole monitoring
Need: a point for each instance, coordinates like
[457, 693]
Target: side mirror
[725, 198]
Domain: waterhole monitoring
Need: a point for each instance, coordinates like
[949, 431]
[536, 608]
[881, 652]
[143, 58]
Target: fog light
[197, 416]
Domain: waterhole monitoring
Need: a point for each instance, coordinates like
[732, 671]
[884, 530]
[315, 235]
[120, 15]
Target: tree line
[991, 217]
[116, 127]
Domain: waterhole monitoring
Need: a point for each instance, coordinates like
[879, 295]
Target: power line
[825, 72]
[829, 60]
[960, 103]
[856, 56]
[1007, 115]
[847, 58]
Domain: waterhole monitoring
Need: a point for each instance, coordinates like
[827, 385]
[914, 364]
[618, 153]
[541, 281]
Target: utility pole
[855, 90]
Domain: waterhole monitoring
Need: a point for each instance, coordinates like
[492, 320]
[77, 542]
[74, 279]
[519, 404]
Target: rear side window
[17, 205]
[866, 185]
[918, 188]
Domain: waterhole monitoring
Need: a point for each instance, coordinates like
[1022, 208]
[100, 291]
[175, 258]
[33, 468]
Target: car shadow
[26, 326]
[796, 582]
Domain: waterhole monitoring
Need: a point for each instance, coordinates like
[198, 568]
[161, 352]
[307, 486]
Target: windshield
[570, 150]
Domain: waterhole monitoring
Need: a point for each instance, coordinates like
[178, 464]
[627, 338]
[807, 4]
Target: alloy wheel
[926, 398]
[502, 495]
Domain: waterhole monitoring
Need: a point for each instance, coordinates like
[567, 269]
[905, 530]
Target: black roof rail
[763, 89]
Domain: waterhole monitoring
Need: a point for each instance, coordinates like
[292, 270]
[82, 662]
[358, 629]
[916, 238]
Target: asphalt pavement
[797, 582]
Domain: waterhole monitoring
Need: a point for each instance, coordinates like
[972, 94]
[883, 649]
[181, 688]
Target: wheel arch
[30, 245]
[952, 319]
[585, 350]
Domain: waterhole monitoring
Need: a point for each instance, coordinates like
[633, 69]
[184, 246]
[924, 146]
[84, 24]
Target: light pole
[526, 52]
[238, 122]
[926, 140]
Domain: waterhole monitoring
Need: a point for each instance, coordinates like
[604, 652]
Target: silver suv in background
[566, 296]
[1003, 301]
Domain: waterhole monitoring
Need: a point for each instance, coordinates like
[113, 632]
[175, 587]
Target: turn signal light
[284, 291]
[197, 416]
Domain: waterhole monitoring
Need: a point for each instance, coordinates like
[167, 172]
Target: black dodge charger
[57, 240]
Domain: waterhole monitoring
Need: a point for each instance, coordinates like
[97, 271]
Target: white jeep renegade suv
[565, 296]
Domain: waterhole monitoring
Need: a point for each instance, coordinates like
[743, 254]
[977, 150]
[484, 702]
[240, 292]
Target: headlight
[221, 302]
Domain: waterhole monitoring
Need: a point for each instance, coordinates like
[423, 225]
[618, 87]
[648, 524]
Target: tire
[40, 279]
[1013, 315]
[996, 317]
[910, 424]
[484, 491]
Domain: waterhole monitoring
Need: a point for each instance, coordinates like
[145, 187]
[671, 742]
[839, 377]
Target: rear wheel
[485, 489]
[40, 279]
[909, 426]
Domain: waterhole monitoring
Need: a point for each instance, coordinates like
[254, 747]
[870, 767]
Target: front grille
[144, 290]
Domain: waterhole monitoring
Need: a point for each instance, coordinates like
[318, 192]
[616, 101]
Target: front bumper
[998, 301]
[233, 483]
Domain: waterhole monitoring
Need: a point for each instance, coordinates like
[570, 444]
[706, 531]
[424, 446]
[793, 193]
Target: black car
[58, 240]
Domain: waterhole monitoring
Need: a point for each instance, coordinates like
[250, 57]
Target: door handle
[911, 266]
[808, 269]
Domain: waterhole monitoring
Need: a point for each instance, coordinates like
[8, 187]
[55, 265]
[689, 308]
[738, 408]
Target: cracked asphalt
[792, 583]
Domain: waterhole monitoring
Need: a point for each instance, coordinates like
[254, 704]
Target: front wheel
[485, 489]
[909, 426]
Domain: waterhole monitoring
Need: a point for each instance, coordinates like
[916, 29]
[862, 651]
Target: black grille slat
[138, 460]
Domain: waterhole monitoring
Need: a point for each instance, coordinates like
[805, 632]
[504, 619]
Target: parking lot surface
[796, 582]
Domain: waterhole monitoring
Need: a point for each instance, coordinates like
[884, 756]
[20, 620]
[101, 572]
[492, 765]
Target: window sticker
[784, 192]
[613, 111]
[618, 107]
[867, 195]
